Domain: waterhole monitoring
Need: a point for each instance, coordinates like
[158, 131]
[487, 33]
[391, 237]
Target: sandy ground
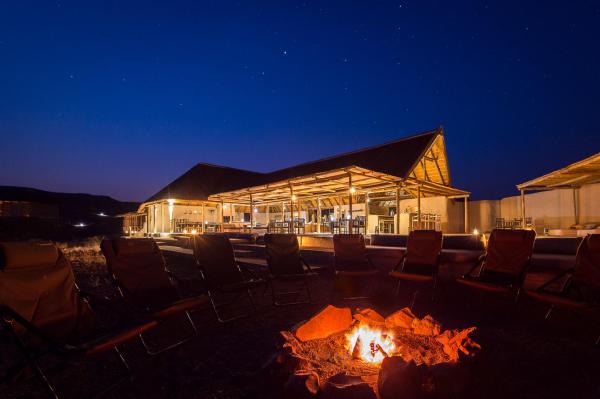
[522, 356]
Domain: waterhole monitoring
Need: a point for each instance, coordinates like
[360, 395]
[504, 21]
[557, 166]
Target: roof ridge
[438, 130]
[212, 165]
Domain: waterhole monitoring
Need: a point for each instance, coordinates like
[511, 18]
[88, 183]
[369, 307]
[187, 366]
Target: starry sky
[121, 97]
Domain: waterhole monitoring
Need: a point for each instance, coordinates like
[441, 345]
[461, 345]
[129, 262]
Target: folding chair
[221, 272]
[286, 264]
[502, 269]
[580, 290]
[421, 261]
[138, 269]
[44, 311]
[351, 260]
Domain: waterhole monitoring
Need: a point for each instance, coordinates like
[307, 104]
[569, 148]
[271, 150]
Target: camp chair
[286, 264]
[221, 272]
[421, 261]
[43, 310]
[351, 260]
[138, 269]
[502, 269]
[580, 291]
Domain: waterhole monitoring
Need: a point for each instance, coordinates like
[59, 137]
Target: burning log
[357, 350]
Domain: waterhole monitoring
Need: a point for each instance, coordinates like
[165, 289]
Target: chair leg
[434, 288]
[276, 303]
[413, 300]
[549, 312]
[216, 311]
[44, 380]
[152, 352]
[30, 359]
[126, 376]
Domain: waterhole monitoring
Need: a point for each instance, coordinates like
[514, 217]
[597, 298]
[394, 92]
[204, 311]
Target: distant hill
[71, 206]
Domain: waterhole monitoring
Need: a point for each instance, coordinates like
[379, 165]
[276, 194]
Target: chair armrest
[555, 279]
[370, 261]
[478, 263]
[7, 314]
[400, 265]
[310, 270]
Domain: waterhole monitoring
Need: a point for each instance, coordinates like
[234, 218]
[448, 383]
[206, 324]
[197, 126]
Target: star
[284, 52]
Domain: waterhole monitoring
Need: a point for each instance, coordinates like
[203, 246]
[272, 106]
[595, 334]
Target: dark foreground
[521, 356]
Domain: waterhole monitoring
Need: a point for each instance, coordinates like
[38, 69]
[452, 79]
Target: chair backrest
[508, 253]
[423, 247]
[216, 259]
[350, 252]
[587, 264]
[36, 281]
[139, 268]
[283, 254]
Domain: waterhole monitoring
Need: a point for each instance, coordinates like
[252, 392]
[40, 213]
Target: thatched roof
[203, 180]
[410, 157]
[586, 171]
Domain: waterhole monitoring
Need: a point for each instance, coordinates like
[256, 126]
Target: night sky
[119, 99]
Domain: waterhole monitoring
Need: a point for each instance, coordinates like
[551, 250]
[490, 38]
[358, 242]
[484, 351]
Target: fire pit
[338, 354]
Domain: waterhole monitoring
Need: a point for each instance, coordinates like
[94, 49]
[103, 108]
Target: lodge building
[391, 188]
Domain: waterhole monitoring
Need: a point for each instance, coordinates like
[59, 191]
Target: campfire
[339, 353]
[370, 345]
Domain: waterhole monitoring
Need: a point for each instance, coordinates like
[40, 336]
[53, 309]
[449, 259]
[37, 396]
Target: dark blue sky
[120, 98]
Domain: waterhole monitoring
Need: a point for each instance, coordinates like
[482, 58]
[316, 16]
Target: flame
[372, 342]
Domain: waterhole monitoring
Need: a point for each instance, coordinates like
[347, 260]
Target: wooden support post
[162, 217]
[203, 219]
[222, 213]
[291, 209]
[318, 215]
[350, 198]
[397, 215]
[466, 214]
[419, 207]
[251, 213]
[522, 208]
[576, 204]
[366, 213]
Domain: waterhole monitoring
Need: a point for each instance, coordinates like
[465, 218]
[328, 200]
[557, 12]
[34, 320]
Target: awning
[335, 183]
[577, 174]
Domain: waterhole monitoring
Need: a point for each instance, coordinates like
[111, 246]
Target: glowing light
[194, 231]
[352, 190]
[475, 232]
[171, 201]
[102, 214]
[293, 197]
[224, 206]
[185, 231]
[374, 345]
[80, 224]
[255, 210]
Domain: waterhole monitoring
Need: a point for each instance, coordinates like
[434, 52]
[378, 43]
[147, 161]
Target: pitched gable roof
[399, 158]
[205, 179]
[396, 158]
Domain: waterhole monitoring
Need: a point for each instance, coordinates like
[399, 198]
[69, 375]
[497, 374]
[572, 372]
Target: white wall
[589, 203]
